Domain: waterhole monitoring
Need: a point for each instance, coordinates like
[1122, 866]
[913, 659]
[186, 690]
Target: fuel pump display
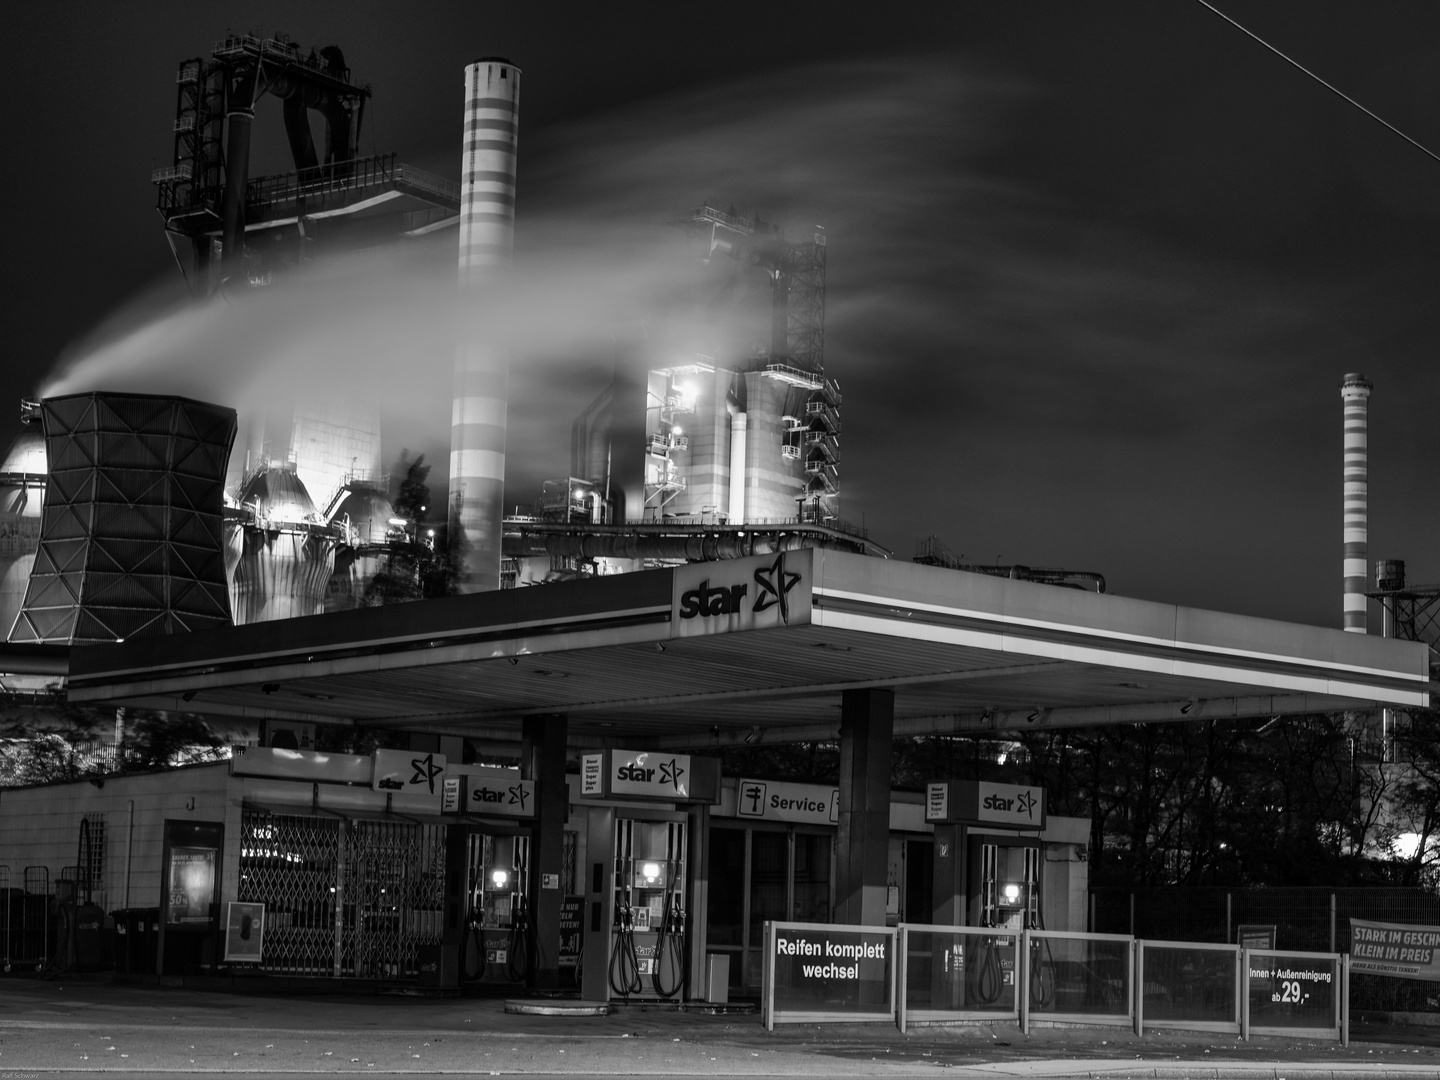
[498, 939]
[648, 954]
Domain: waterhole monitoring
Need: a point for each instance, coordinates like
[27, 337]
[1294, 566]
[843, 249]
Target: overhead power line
[1328, 86]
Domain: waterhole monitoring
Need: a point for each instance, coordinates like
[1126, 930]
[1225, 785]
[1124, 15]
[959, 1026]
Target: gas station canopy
[758, 649]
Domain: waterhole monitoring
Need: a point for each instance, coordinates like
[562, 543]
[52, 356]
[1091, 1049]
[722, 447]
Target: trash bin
[717, 978]
[137, 936]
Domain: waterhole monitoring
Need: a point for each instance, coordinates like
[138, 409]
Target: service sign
[498, 793]
[409, 772]
[772, 800]
[983, 803]
[759, 593]
[1406, 952]
[817, 972]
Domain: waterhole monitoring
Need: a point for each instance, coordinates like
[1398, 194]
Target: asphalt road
[64, 1029]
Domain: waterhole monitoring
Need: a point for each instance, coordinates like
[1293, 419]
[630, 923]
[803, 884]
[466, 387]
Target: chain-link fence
[1305, 918]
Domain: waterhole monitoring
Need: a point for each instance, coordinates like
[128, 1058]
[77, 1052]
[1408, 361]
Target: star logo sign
[775, 585]
[1026, 802]
[426, 771]
[671, 772]
[518, 795]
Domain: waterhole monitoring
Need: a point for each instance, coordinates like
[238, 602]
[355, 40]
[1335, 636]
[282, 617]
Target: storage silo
[362, 521]
[131, 531]
[278, 552]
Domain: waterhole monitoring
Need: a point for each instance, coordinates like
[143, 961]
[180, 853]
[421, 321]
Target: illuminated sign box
[650, 776]
[762, 592]
[978, 802]
[496, 792]
[775, 800]
[817, 973]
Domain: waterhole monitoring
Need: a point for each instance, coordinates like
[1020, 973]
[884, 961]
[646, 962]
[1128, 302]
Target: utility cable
[1328, 86]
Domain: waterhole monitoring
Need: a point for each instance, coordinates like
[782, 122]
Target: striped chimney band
[487, 168]
[1355, 394]
[481, 396]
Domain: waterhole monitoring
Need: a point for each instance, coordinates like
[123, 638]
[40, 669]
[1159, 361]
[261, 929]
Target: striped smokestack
[1355, 394]
[487, 234]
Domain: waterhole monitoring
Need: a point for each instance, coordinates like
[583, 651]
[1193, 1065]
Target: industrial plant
[685, 584]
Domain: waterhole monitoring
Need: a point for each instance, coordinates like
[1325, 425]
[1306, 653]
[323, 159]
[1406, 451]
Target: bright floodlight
[651, 871]
[1012, 893]
[499, 877]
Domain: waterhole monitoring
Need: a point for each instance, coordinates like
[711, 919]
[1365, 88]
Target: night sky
[1095, 269]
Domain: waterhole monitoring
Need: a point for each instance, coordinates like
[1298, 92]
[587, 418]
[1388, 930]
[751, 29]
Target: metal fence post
[1229, 933]
[1345, 1000]
[902, 973]
[1332, 922]
[1022, 974]
[1245, 994]
[1138, 952]
[1132, 914]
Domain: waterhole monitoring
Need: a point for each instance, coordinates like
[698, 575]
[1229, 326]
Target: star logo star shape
[518, 794]
[426, 771]
[670, 773]
[1026, 802]
[775, 585]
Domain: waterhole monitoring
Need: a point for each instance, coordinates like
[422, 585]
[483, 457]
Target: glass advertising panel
[192, 884]
[816, 973]
[1286, 992]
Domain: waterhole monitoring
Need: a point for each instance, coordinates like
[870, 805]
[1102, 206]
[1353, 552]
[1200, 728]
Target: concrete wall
[40, 826]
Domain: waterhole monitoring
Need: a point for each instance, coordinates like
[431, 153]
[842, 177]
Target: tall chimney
[487, 235]
[1355, 394]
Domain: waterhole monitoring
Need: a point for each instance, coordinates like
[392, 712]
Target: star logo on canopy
[671, 772]
[426, 771]
[775, 585]
[518, 795]
[1026, 801]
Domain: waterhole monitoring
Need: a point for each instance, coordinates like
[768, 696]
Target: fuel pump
[1010, 900]
[499, 942]
[648, 956]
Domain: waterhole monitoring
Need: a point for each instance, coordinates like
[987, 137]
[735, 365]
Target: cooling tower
[1355, 394]
[278, 552]
[22, 491]
[478, 411]
[131, 532]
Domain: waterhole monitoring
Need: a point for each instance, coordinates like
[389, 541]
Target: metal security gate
[355, 899]
[395, 877]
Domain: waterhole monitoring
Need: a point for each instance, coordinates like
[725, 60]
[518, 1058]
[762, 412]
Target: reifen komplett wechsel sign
[1398, 949]
[817, 972]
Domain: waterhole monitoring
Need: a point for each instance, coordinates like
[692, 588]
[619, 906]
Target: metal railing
[381, 170]
[960, 974]
[956, 973]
